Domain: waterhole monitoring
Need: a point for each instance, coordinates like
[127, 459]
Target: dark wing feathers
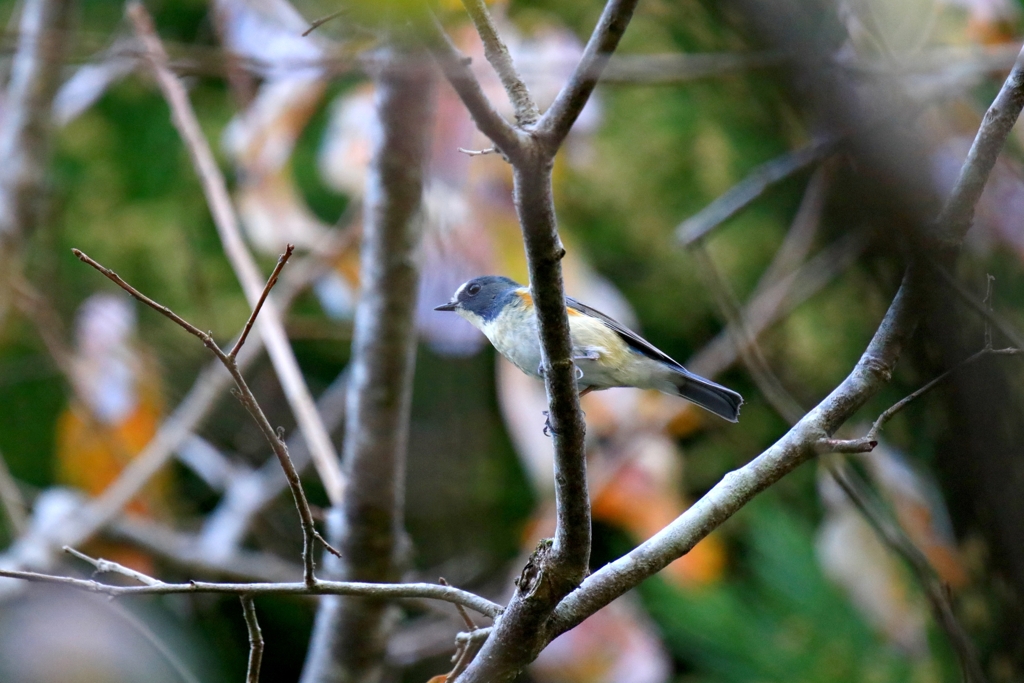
[631, 338]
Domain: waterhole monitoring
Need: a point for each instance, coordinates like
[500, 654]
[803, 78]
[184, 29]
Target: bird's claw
[548, 429]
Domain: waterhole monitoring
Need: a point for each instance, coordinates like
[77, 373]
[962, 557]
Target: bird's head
[483, 297]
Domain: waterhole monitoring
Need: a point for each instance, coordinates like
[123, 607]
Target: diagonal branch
[271, 326]
[497, 54]
[737, 488]
[893, 536]
[559, 118]
[739, 196]
[455, 66]
[958, 213]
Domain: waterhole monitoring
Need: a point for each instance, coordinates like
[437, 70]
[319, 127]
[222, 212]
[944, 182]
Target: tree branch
[215, 188]
[737, 488]
[252, 672]
[248, 400]
[455, 67]
[893, 536]
[382, 591]
[958, 213]
[739, 196]
[27, 122]
[559, 118]
[497, 54]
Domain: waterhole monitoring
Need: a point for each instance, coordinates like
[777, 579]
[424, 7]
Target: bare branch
[870, 440]
[739, 487]
[317, 23]
[248, 400]
[462, 612]
[27, 122]
[13, 503]
[190, 412]
[558, 120]
[252, 673]
[745, 342]
[893, 536]
[110, 567]
[740, 196]
[215, 188]
[497, 54]
[383, 591]
[263, 297]
[777, 300]
[958, 213]
[159, 308]
[455, 66]
[800, 443]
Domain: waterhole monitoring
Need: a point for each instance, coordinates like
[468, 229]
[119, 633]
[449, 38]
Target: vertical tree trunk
[350, 634]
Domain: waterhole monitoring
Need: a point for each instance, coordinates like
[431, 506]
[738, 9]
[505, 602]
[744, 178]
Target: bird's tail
[723, 402]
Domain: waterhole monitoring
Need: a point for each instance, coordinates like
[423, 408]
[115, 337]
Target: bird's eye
[473, 289]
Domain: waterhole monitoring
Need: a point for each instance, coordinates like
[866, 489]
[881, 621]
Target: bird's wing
[631, 338]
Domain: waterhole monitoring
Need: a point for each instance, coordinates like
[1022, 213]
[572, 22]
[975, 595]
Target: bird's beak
[450, 306]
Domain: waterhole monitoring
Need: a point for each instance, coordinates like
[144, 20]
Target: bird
[606, 353]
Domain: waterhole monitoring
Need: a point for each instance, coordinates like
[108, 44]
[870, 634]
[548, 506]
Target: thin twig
[252, 672]
[461, 610]
[478, 152]
[741, 195]
[248, 400]
[283, 259]
[189, 413]
[1012, 334]
[893, 536]
[110, 567]
[384, 591]
[867, 442]
[560, 117]
[214, 186]
[746, 344]
[455, 66]
[317, 23]
[497, 54]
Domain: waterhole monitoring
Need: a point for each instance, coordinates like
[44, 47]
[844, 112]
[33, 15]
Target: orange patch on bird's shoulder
[572, 311]
[525, 295]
